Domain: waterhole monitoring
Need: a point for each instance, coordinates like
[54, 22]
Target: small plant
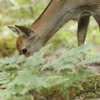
[90, 95]
[58, 76]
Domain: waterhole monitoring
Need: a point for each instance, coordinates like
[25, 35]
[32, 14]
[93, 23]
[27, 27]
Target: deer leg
[96, 16]
[82, 29]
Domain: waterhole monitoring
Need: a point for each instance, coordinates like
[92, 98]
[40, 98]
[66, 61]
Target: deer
[57, 13]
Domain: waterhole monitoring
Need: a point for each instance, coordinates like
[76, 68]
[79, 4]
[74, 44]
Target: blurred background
[25, 12]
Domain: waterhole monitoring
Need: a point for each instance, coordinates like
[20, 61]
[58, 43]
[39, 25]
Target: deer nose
[24, 50]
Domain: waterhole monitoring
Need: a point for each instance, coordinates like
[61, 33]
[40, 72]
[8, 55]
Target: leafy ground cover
[63, 78]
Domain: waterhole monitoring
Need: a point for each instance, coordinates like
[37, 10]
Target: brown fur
[57, 13]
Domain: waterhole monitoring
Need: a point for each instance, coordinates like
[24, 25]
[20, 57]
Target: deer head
[28, 41]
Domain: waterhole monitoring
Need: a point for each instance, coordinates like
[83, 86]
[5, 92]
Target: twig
[14, 3]
[96, 87]
[70, 93]
[90, 90]
[31, 9]
[21, 7]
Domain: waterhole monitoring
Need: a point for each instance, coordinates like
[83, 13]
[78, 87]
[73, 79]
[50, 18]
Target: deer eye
[24, 50]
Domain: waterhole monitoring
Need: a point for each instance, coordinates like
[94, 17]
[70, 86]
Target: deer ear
[27, 31]
[14, 29]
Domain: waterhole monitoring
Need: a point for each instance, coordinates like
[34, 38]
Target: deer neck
[50, 20]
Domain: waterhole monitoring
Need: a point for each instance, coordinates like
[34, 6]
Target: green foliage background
[25, 12]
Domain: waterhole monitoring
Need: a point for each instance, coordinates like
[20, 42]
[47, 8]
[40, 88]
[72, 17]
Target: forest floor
[91, 86]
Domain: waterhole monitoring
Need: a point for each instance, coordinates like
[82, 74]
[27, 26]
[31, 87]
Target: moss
[90, 95]
[88, 88]
[7, 46]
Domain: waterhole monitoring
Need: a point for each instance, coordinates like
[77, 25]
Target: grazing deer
[57, 13]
